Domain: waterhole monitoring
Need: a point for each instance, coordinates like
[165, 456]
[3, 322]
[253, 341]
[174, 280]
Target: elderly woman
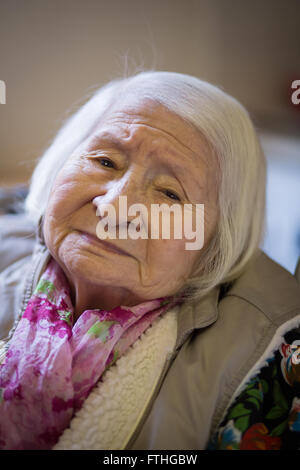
[139, 342]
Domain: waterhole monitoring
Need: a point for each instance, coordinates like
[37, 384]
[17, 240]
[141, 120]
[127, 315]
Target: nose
[119, 196]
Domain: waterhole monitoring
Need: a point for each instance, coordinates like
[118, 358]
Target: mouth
[102, 243]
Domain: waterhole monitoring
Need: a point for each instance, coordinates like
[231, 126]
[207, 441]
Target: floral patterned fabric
[52, 364]
[266, 413]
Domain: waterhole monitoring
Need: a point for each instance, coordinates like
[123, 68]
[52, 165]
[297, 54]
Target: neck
[88, 297]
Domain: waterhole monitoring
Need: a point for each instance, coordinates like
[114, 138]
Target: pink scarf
[52, 365]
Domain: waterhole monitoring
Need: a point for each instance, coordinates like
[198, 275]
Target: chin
[92, 269]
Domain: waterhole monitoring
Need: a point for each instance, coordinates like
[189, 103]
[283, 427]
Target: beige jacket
[199, 354]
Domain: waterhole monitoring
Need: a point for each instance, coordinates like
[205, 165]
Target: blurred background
[55, 53]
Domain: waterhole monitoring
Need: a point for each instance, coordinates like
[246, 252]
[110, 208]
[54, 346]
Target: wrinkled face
[142, 151]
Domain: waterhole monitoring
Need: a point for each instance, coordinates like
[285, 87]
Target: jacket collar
[197, 314]
[264, 283]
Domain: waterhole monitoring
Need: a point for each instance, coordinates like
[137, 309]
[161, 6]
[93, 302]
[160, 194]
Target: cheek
[62, 203]
[70, 192]
[170, 257]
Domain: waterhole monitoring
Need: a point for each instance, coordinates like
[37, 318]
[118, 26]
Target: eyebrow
[183, 170]
[108, 139]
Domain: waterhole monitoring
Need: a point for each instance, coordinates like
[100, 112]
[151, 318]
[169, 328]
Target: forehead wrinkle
[140, 127]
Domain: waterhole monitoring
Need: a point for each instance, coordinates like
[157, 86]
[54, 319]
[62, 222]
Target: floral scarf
[52, 365]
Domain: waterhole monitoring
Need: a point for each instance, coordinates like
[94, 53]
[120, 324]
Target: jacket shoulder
[268, 287]
[17, 238]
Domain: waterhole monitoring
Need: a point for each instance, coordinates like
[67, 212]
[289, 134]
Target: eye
[172, 195]
[106, 162]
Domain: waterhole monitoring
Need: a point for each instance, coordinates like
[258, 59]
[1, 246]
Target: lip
[102, 243]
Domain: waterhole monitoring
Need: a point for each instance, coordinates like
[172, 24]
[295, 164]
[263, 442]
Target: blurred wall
[53, 53]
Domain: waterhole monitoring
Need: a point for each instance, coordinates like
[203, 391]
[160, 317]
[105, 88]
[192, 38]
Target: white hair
[227, 127]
